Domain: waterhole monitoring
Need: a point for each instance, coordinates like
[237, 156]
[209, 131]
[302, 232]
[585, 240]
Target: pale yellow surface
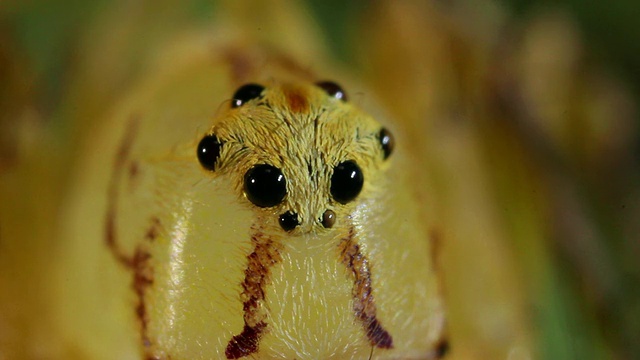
[199, 257]
[74, 300]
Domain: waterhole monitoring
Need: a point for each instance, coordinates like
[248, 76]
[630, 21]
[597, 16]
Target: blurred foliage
[45, 32]
[610, 28]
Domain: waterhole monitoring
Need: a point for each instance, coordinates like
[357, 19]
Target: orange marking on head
[296, 99]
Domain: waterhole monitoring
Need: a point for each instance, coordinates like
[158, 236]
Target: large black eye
[333, 89]
[386, 141]
[209, 151]
[346, 181]
[246, 93]
[264, 185]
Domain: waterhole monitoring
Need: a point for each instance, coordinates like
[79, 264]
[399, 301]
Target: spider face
[300, 152]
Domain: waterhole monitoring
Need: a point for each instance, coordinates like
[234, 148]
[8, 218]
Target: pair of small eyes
[264, 184]
[249, 92]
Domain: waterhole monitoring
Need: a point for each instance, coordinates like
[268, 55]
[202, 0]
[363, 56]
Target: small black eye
[346, 181]
[328, 219]
[264, 185]
[245, 93]
[333, 90]
[289, 221]
[209, 151]
[387, 142]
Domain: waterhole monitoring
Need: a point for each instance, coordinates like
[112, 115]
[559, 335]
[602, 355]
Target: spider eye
[289, 221]
[209, 151]
[333, 90]
[246, 93]
[265, 185]
[386, 141]
[346, 181]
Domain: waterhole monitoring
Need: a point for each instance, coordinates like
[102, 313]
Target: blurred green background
[610, 28]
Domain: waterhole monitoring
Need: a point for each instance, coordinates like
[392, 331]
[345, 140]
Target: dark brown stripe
[246, 343]
[142, 279]
[139, 261]
[266, 253]
[442, 348]
[154, 229]
[112, 193]
[133, 174]
[364, 303]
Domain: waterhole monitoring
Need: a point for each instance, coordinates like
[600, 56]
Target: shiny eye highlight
[265, 185]
[346, 181]
[209, 151]
[246, 93]
[333, 90]
[386, 141]
[289, 221]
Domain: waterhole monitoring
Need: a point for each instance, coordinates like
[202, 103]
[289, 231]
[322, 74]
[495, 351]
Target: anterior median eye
[209, 151]
[346, 181]
[245, 93]
[265, 185]
[332, 89]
